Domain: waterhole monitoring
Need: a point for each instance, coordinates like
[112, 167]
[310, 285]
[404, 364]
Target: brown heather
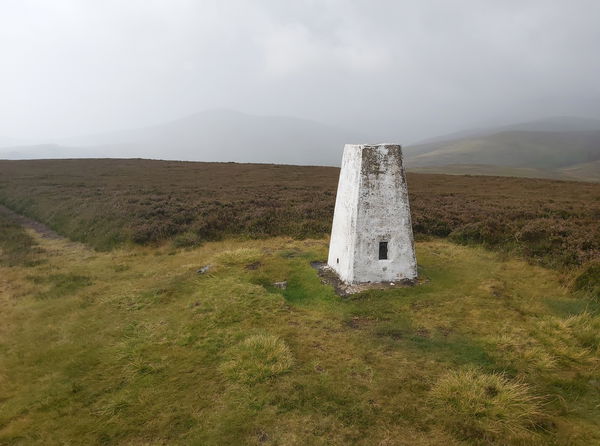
[105, 202]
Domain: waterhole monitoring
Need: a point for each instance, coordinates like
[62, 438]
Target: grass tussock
[486, 406]
[258, 358]
[575, 338]
[517, 347]
[585, 327]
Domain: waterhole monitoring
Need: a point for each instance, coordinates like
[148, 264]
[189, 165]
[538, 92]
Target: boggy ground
[133, 346]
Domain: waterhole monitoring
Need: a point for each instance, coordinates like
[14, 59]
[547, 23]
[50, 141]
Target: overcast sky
[400, 69]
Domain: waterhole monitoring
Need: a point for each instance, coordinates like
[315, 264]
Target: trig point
[372, 238]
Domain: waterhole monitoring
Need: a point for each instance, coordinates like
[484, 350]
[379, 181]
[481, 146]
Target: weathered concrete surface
[372, 207]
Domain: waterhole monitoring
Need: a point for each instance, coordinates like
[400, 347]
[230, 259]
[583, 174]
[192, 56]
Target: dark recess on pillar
[383, 250]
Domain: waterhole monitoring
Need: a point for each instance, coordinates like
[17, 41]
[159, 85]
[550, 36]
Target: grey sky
[403, 70]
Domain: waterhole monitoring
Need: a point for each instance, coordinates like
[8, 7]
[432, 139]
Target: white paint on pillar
[372, 208]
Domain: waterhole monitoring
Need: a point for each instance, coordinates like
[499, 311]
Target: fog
[392, 70]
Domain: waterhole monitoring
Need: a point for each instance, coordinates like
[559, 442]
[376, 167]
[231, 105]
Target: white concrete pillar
[371, 237]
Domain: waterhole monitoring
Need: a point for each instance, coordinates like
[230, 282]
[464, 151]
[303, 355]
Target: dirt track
[43, 230]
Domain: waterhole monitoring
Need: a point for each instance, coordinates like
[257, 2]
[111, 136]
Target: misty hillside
[555, 147]
[515, 149]
[585, 171]
[550, 124]
[216, 135]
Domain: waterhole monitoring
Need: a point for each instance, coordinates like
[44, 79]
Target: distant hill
[550, 124]
[543, 150]
[585, 171]
[565, 148]
[216, 135]
[557, 124]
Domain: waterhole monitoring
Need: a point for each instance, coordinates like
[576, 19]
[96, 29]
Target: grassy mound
[258, 358]
[486, 406]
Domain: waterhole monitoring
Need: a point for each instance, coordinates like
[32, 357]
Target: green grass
[59, 285]
[134, 347]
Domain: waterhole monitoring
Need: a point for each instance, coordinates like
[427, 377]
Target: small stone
[280, 285]
[204, 269]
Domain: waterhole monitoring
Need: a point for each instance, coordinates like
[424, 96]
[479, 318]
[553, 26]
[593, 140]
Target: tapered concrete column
[371, 237]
